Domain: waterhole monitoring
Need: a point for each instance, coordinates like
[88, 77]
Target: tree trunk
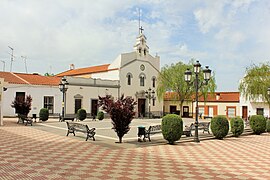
[120, 139]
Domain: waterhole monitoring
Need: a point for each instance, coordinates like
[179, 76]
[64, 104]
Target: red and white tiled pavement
[30, 153]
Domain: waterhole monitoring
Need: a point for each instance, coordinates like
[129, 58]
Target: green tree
[48, 74]
[171, 78]
[255, 83]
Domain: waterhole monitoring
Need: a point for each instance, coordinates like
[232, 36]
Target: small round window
[142, 67]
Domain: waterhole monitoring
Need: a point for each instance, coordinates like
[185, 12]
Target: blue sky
[227, 35]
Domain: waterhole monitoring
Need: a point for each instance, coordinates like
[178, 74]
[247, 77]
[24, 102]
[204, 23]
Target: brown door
[172, 109]
[94, 107]
[185, 111]
[141, 107]
[78, 105]
[244, 112]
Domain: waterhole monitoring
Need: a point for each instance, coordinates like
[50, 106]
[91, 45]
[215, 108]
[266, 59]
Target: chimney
[217, 96]
[71, 66]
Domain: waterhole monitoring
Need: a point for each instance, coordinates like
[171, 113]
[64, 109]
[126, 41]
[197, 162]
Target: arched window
[142, 79]
[144, 52]
[140, 50]
[129, 76]
[154, 81]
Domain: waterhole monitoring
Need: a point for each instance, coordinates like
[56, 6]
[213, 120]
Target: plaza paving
[42, 151]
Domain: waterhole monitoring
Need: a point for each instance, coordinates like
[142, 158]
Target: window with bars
[48, 103]
[231, 112]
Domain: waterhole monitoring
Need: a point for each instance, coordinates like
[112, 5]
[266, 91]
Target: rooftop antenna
[12, 58]
[4, 65]
[24, 59]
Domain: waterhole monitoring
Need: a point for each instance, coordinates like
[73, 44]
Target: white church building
[132, 74]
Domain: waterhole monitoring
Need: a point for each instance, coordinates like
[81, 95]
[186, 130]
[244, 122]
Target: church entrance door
[141, 107]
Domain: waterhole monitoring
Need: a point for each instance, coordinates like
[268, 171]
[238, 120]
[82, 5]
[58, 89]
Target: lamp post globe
[197, 67]
[188, 75]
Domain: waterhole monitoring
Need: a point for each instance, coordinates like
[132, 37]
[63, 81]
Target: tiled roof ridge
[75, 71]
[20, 78]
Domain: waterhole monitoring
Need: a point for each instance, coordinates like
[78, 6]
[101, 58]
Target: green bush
[220, 126]
[268, 125]
[44, 114]
[257, 124]
[100, 115]
[172, 127]
[81, 114]
[237, 126]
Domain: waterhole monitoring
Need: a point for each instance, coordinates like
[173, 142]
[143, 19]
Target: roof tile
[87, 70]
[33, 79]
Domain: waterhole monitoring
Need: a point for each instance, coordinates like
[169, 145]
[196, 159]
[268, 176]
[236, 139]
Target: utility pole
[12, 58]
[24, 58]
[4, 65]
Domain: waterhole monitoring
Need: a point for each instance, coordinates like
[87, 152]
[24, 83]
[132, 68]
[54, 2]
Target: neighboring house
[251, 107]
[221, 103]
[43, 89]
[135, 72]
[172, 105]
[84, 92]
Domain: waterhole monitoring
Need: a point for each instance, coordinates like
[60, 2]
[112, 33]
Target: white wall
[253, 105]
[130, 90]
[88, 93]
[37, 93]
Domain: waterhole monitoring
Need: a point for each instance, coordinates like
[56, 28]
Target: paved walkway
[30, 153]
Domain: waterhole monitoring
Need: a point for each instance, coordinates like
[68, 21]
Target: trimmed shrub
[268, 125]
[100, 115]
[44, 114]
[257, 124]
[172, 127]
[237, 126]
[81, 114]
[220, 126]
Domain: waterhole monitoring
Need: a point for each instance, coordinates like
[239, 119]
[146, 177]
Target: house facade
[219, 103]
[251, 107]
[43, 90]
[136, 72]
[84, 92]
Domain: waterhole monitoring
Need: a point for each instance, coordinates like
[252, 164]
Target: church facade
[133, 74]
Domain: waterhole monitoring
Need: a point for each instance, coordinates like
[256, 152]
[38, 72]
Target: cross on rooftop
[141, 29]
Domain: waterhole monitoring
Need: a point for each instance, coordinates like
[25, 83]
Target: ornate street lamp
[197, 84]
[63, 86]
[149, 94]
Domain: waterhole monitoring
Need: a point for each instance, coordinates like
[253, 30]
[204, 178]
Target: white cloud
[225, 34]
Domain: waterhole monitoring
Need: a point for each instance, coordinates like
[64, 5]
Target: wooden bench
[152, 130]
[201, 126]
[25, 119]
[67, 117]
[72, 127]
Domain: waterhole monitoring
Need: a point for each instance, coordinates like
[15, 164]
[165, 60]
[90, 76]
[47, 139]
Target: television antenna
[24, 59]
[4, 65]
[11, 58]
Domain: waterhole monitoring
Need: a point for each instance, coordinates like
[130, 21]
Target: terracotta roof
[170, 96]
[87, 70]
[222, 97]
[33, 79]
[217, 97]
